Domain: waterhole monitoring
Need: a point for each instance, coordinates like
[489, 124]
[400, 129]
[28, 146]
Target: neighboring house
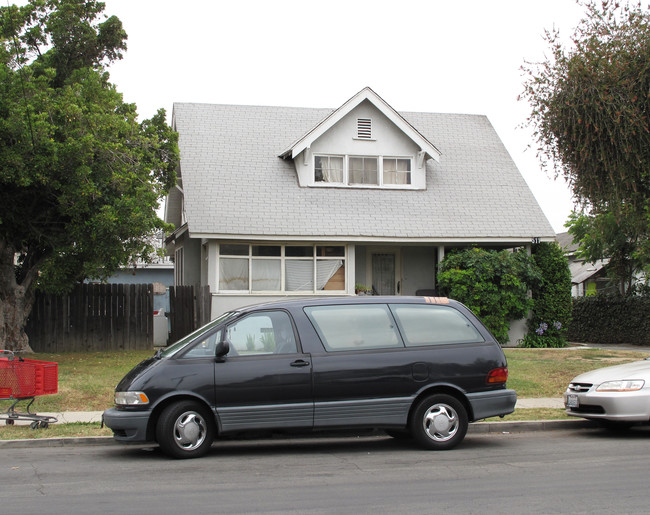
[586, 278]
[277, 201]
[160, 273]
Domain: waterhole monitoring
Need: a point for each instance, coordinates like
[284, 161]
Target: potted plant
[361, 289]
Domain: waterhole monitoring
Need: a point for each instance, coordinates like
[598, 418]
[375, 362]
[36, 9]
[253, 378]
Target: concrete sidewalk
[70, 417]
[67, 417]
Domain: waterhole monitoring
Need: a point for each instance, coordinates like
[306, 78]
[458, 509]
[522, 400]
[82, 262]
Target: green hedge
[611, 319]
[552, 307]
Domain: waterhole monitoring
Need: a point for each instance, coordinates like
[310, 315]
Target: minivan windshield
[183, 342]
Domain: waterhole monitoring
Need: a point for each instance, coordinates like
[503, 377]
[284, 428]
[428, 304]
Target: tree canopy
[80, 177]
[605, 236]
[590, 105]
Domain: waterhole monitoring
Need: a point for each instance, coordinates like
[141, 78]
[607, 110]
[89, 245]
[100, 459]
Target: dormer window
[362, 171]
[397, 170]
[328, 169]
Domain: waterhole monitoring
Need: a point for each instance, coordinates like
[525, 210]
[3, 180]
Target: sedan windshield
[183, 342]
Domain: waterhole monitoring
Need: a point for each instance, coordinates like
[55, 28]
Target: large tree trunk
[14, 311]
[16, 302]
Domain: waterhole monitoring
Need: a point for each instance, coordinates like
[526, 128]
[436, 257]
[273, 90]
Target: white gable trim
[426, 147]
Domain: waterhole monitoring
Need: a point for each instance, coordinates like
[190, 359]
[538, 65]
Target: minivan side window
[206, 346]
[354, 327]
[424, 324]
[267, 332]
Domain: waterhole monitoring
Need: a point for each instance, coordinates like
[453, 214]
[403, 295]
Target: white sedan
[619, 396]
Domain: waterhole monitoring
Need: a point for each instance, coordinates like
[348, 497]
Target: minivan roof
[299, 302]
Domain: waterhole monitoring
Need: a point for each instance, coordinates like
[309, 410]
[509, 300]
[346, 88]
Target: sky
[446, 56]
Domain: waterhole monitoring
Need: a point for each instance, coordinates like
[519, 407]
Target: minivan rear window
[424, 324]
[354, 327]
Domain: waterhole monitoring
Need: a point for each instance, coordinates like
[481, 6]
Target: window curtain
[325, 270]
[266, 275]
[233, 274]
[299, 275]
[397, 171]
[334, 170]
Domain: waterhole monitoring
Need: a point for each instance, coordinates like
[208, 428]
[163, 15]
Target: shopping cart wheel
[34, 425]
[9, 422]
[43, 424]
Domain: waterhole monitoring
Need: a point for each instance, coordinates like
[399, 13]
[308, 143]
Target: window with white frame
[362, 171]
[328, 169]
[396, 170]
[281, 268]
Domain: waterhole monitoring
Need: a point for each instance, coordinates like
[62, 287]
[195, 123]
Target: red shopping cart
[22, 380]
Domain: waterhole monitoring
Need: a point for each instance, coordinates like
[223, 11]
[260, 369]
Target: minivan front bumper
[495, 403]
[127, 426]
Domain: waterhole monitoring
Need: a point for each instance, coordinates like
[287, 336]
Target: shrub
[493, 284]
[552, 307]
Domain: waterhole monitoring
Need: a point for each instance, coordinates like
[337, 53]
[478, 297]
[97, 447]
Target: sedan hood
[634, 370]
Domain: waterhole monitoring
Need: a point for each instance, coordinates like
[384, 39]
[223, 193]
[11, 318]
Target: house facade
[274, 202]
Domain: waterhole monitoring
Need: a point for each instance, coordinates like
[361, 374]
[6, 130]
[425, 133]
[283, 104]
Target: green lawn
[535, 373]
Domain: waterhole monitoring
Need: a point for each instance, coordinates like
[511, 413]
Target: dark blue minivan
[422, 367]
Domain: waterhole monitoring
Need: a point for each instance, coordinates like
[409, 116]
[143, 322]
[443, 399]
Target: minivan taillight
[497, 375]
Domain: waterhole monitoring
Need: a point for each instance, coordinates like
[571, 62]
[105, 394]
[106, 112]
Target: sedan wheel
[185, 430]
[439, 422]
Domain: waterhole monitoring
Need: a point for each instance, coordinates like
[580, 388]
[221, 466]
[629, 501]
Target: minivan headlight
[131, 398]
[621, 386]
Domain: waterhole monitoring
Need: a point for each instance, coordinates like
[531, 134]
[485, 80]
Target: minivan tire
[439, 422]
[185, 429]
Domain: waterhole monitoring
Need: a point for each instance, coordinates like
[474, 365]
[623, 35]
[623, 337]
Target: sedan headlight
[131, 398]
[621, 386]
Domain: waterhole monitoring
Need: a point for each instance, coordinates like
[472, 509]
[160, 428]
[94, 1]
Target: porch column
[350, 271]
[441, 256]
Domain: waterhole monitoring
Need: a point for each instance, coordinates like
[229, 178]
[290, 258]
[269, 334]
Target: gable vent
[364, 128]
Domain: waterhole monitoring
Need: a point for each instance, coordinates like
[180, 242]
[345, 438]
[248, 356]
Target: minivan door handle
[300, 363]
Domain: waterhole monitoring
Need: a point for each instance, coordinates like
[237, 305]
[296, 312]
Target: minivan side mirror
[223, 348]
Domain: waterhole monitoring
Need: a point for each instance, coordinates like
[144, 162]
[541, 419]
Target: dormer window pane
[397, 171]
[363, 170]
[328, 169]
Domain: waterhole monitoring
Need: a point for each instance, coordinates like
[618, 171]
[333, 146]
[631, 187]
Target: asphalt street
[581, 471]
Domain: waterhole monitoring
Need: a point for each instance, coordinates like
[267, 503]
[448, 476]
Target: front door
[383, 273]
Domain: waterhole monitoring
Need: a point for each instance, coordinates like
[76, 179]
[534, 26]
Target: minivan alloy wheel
[439, 422]
[189, 431]
[185, 430]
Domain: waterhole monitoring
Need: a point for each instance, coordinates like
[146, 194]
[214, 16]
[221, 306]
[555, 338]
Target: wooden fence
[189, 309]
[93, 317]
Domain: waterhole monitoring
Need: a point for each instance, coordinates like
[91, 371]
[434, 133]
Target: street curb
[475, 428]
[57, 442]
[528, 426]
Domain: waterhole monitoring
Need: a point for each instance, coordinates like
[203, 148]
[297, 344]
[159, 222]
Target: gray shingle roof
[235, 184]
